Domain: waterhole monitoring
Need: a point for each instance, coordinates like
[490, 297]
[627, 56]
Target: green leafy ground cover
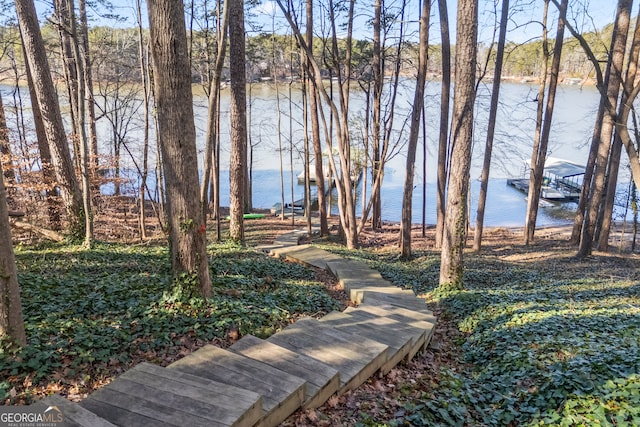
[91, 314]
[540, 339]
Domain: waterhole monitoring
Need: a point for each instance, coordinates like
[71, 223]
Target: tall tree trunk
[48, 173]
[238, 114]
[315, 129]
[491, 127]
[455, 227]
[213, 115]
[174, 106]
[583, 201]
[377, 65]
[81, 131]
[63, 24]
[47, 100]
[11, 322]
[539, 156]
[346, 205]
[443, 139]
[618, 48]
[6, 158]
[144, 77]
[89, 98]
[416, 114]
[248, 202]
[616, 150]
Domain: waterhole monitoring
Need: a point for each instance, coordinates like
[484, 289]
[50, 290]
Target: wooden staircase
[262, 382]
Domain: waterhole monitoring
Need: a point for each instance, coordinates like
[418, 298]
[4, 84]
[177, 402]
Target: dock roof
[563, 168]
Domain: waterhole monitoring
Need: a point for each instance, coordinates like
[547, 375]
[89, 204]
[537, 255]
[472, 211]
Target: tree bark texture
[174, 106]
[616, 60]
[614, 160]
[238, 107]
[315, 129]
[416, 115]
[455, 226]
[493, 113]
[443, 139]
[46, 165]
[47, 100]
[539, 155]
[11, 322]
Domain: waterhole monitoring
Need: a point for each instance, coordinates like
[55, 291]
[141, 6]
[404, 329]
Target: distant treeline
[115, 55]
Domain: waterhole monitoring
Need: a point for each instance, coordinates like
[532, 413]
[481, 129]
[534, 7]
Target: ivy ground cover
[91, 314]
[540, 338]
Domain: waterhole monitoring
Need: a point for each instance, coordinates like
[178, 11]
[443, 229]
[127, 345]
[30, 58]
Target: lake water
[570, 138]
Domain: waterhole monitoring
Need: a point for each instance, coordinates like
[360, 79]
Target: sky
[522, 26]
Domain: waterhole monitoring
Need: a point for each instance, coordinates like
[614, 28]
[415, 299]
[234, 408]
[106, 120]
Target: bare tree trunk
[81, 131]
[416, 114]
[455, 229]
[343, 182]
[315, 129]
[616, 150]
[174, 104]
[63, 24]
[618, 48]
[145, 128]
[213, 115]
[48, 173]
[583, 201]
[50, 110]
[89, 98]
[377, 64]
[491, 127]
[539, 156]
[247, 165]
[6, 157]
[11, 322]
[443, 142]
[238, 120]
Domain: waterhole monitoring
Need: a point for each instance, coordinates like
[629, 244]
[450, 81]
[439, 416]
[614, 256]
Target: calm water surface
[570, 137]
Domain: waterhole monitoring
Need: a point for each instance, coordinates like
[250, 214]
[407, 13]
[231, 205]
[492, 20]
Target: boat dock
[562, 180]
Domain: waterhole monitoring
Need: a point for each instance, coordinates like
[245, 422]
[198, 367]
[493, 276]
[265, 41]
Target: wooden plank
[399, 341]
[308, 255]
[357, 292]
[421, 319]
[322, 380]
[132, 409]
[224, 404]
[73, 415]
[356, 358]
[348, 269]
[382, 299]
[419, 330]
[282, 393]
[397, 313]
[152, 395]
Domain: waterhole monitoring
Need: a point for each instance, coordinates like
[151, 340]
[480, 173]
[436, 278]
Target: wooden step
[385, 299]
[322, 380]
[71, 414]
[419, 331]
[379, 329]
[400, 314]
[355, 357]
[282, 393]
[358, 291]
[307, 255]
[151, 395]
[421, 319]
[346, 269]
